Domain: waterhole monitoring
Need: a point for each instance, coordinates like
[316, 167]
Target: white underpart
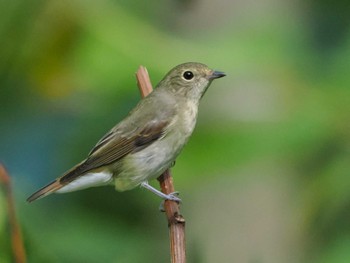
[150, 162]
[86, 181]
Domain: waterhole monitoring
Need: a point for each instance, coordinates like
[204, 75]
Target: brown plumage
[113, 150]
[46, 190]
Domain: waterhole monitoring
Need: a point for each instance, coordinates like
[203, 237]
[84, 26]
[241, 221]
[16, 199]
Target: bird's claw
[171, 197]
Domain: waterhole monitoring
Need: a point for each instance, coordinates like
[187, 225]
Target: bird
[147, 141]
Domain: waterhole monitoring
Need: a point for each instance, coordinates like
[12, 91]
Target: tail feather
[52, 187]
[46, 190]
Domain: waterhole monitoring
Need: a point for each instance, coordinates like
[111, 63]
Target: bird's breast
[187, 117]
[154, 159]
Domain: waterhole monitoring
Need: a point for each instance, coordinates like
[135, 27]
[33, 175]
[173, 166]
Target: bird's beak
[216, 74]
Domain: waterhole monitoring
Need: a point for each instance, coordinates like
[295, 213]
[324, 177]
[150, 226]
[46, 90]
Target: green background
[266, 174]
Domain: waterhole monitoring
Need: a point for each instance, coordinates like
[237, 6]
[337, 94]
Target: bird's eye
[188, 75]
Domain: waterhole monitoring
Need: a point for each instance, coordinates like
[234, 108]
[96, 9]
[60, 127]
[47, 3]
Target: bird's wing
[113, 146]
[109, 149]
[136, 132]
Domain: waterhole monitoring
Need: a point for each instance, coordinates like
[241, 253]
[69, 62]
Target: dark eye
[188, 75]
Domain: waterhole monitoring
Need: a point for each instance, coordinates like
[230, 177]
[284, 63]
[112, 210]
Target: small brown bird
[146, 143]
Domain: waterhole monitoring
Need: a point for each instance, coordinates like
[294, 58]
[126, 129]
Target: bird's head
[190, 80]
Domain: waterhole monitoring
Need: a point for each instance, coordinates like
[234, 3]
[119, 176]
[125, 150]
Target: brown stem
[18, 250]
[176, 222]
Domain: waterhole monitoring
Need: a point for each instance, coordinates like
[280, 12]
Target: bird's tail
[46, 190]
[57, 184]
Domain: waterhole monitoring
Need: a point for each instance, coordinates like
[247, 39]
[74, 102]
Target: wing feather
[114, 147]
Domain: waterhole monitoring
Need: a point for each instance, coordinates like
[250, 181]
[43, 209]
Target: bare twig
[18, 251]
[176, 222]
[143, 81]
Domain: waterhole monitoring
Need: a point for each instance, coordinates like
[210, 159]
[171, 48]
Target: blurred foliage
[265, 177]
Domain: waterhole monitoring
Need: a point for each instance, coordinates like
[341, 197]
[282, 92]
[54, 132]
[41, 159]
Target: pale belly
[148, 163]
[152, 161]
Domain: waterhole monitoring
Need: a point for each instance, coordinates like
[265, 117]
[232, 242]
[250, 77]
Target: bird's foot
[171, 197]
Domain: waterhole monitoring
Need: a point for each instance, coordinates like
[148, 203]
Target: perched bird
[146, 143]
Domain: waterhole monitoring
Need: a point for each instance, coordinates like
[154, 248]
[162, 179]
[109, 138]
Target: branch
[176, 222]
[18, 251]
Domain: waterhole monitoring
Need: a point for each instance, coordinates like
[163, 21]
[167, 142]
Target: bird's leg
[171, 196]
